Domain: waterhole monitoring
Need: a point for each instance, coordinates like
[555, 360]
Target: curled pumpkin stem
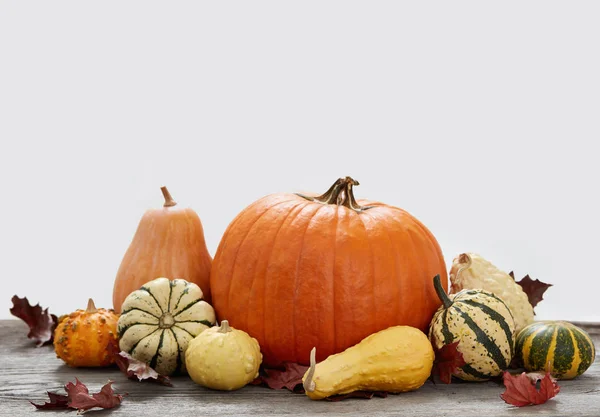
[309, 383]
[340, 193]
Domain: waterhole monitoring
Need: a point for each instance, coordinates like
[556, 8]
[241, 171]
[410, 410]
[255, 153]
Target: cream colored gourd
[223, 358]
[159, 320]
[471, 271]
[396, 359]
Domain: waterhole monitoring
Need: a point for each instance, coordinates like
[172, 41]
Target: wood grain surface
[28, 372]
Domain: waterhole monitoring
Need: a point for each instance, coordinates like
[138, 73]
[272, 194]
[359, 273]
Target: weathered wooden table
[28, 372]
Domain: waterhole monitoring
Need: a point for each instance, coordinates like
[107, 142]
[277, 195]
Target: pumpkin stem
[169, 202]
[91, 307]
[309, 383]
[224, 327]
[437, 284]
[340, 193]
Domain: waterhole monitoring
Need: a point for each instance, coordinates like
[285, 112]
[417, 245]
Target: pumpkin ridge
[239, 246]
[497, 317]
[190, 305]
[414, 250]
[418, 248]
[335, 242]
[387, 233]
[492, 349]
[138, 342]
[250, 311]
[294, 302]
[160, 343]
[368, 240]
[152, 295]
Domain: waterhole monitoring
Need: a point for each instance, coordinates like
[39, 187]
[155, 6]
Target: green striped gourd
[556, 346]
[482, 324]
[158, 321]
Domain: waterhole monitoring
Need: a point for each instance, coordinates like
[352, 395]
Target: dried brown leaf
[41, 323]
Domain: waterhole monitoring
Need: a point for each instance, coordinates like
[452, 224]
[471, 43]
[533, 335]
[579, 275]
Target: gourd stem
[465, 262]
[224, 327]
[309, 383]
[437, 284]
[91, 307]
[340, 193]
[169, 202]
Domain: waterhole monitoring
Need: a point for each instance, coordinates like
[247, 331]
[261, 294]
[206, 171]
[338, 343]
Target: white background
[481, 119]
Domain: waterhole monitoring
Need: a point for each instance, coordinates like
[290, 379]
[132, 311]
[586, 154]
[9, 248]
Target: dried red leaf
[521, 389]
[448, 359]
[41, 324]
[365, 395]
[57, 401]
[289, 377]
[534, 288]
[136, 369]
[80, 398]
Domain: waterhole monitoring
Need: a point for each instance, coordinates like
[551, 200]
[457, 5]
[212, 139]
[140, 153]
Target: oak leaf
[57, 401]
[80, 398]
[41, 323]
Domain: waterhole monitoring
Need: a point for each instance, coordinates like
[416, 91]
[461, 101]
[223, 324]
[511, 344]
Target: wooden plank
[28, 372]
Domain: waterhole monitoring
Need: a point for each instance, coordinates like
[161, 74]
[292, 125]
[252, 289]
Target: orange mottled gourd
[82, 338]
[297, 271]
[169, 242]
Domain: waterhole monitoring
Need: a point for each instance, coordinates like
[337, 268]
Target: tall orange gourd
[296, 271]
[169, 242]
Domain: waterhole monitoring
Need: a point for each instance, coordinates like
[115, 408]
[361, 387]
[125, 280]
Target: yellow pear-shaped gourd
[396, 359]
[223, 358]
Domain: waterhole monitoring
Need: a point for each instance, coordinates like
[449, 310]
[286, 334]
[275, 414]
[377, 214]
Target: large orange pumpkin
[169, 242]
[296, 271]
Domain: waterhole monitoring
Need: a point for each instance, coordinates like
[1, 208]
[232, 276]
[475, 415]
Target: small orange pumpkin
[82, 338]
[296, 271]
[169, 242]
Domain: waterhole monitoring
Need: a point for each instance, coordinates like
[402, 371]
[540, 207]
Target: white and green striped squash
[560, 347]
[482, 324]
[158, 321]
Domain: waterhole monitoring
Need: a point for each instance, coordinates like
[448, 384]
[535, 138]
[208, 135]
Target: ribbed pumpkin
[169, 242]
[296, 271]
[482, 324]
[556, 346]
[160, 319]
